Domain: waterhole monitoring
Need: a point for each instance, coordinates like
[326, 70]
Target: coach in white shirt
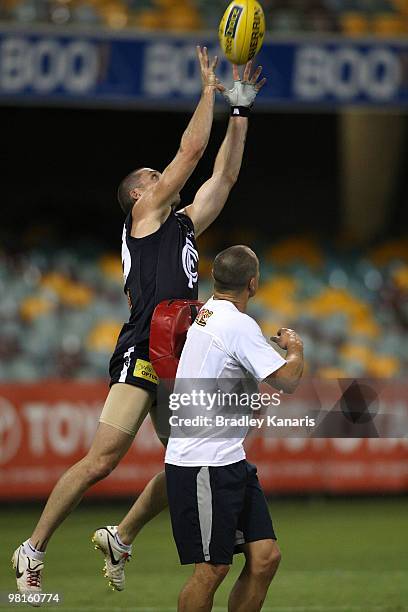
[216, 503]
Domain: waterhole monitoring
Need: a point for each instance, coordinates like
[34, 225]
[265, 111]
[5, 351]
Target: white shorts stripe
[204, 501]
[239, 537]
[126, 364]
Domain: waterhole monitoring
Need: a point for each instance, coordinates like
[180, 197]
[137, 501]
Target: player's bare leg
[126, 406]
[249, 591]
[115, 540]
[153, 498]
[108, 447]
[197, 594]
[149, 504]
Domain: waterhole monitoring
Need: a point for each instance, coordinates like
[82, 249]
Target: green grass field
[337, 556]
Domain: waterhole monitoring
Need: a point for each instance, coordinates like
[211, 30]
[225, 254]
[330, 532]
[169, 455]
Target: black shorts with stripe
[214, 510]
[130, 363]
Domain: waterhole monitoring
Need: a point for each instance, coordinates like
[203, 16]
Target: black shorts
[130, 363]
[214, 510]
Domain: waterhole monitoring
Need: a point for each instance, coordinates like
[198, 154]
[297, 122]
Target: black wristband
[240, 111]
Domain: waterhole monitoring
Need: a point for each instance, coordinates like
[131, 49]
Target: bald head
[234, 268]
[137, 183]
[132, 181]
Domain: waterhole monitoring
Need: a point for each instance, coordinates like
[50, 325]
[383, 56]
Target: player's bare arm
[154, 203]
[212, 196]
[288, 376]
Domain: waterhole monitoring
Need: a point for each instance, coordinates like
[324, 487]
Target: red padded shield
[168, 330]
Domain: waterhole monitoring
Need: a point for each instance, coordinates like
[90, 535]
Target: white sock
[32, 552]
[125, 547]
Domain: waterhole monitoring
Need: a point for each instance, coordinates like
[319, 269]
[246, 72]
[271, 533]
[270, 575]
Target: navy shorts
[130, 363]
[214, 510]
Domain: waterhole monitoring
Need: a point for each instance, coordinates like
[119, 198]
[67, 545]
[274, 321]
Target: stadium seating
[351, 17]
[60, 312]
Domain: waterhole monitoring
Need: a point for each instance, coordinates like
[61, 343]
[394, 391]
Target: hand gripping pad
[168, 330]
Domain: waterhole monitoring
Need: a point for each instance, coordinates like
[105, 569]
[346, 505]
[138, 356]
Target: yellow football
[242, 31]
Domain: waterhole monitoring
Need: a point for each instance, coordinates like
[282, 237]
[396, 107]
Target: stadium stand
[61, 311]
[350, 17]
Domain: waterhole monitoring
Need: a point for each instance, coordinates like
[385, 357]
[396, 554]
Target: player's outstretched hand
[243, 92]
[207, 68]
[287, 337]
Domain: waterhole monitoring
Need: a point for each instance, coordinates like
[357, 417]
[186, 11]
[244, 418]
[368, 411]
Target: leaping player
[155, 244]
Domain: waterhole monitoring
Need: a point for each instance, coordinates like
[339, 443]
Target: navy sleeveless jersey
[160, 266]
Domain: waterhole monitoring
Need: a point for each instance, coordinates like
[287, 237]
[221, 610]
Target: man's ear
[135, 194]
[252, 286]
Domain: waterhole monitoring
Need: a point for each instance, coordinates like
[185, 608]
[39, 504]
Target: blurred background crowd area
[350, 17]
[62, 310]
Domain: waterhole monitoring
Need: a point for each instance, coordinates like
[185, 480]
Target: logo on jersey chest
[189, 258]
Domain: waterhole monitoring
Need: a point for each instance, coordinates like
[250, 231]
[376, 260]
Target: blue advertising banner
[46, 66]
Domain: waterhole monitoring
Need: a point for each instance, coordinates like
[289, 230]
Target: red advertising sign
[46, 427]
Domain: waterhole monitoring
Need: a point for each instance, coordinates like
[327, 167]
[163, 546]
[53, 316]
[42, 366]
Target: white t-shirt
[223, 343]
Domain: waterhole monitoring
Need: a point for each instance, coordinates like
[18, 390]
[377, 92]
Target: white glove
[242, 94]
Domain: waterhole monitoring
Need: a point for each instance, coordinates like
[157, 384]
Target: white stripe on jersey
[126, 259]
